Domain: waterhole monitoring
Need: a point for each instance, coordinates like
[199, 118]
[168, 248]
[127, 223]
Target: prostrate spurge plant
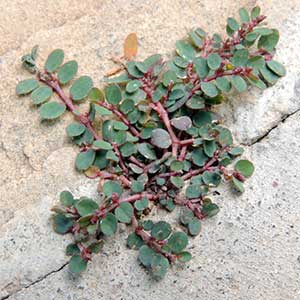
[158, 134]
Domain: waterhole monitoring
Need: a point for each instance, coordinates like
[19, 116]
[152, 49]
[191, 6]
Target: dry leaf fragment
[130, 46]
[114, 71]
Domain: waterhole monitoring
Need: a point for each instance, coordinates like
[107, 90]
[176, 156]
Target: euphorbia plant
[152, 138]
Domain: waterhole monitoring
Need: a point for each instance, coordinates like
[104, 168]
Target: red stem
[151, 242]
[119, 155]
[54, 84]
[122, 117]
[182, 153]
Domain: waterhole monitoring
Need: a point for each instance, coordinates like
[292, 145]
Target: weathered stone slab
[249, 251]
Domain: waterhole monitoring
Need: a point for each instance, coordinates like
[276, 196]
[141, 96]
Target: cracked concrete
[249, 251]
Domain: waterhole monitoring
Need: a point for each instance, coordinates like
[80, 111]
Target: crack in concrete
[35, 282]
[266, 134]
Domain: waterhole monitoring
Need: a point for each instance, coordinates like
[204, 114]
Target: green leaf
[86, 138]
[101, 160]
[136, 169]
[214, 61]
[176, 165]
[196, 40]
[148, 224]
[112, 156]
[186, 216]
[276, 67]
[66, 198]
[102, 111]
[240, 58]
[124, 212]
[202, 118]
[244, 167]
[118, 125]
[86, 206]
[180, 62]
[96, 247]
[81, 88]
[182, 123]
[257, 83]
[263, 31]
[54, 60]
[194, 227]
[269, 42]
[52, 110]
[209, 89]
[26, 86]
[255, 12]
[41, 95]
[127, 106]
[177, 242]
[128, 149]
[137, 186]
[161, 230]
[146, 255]
[176, 93]
[141, 204]
[159, 266]
[239, 83]
[113, 94]
[110, 187]
[77, 264]
[201, 32]
[177, 181]
[193, 191]
[223, 84]
[133, 86]
[185, 50]
[256, 62]
[198, 157]
[85, 159]
[238, 185]
[84, 221]
[236, 151]
[251, 37]
[244, 15]
[62, 224]
[72, 249]
[210, 209]
[233, 24]
[270, 77]
[34, 52]
[184, 256]
[195, 102]
[160, 138]
[75, 129]
[201, 67]
[67, 72]
[225, 137]
[147, 151]
[96, 94]
[211, 178]
[109, 224]
[209, 148]
[102, 145]
[134, 241]
[169, 77]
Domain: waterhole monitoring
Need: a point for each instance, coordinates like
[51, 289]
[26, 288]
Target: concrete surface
[251, 250]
